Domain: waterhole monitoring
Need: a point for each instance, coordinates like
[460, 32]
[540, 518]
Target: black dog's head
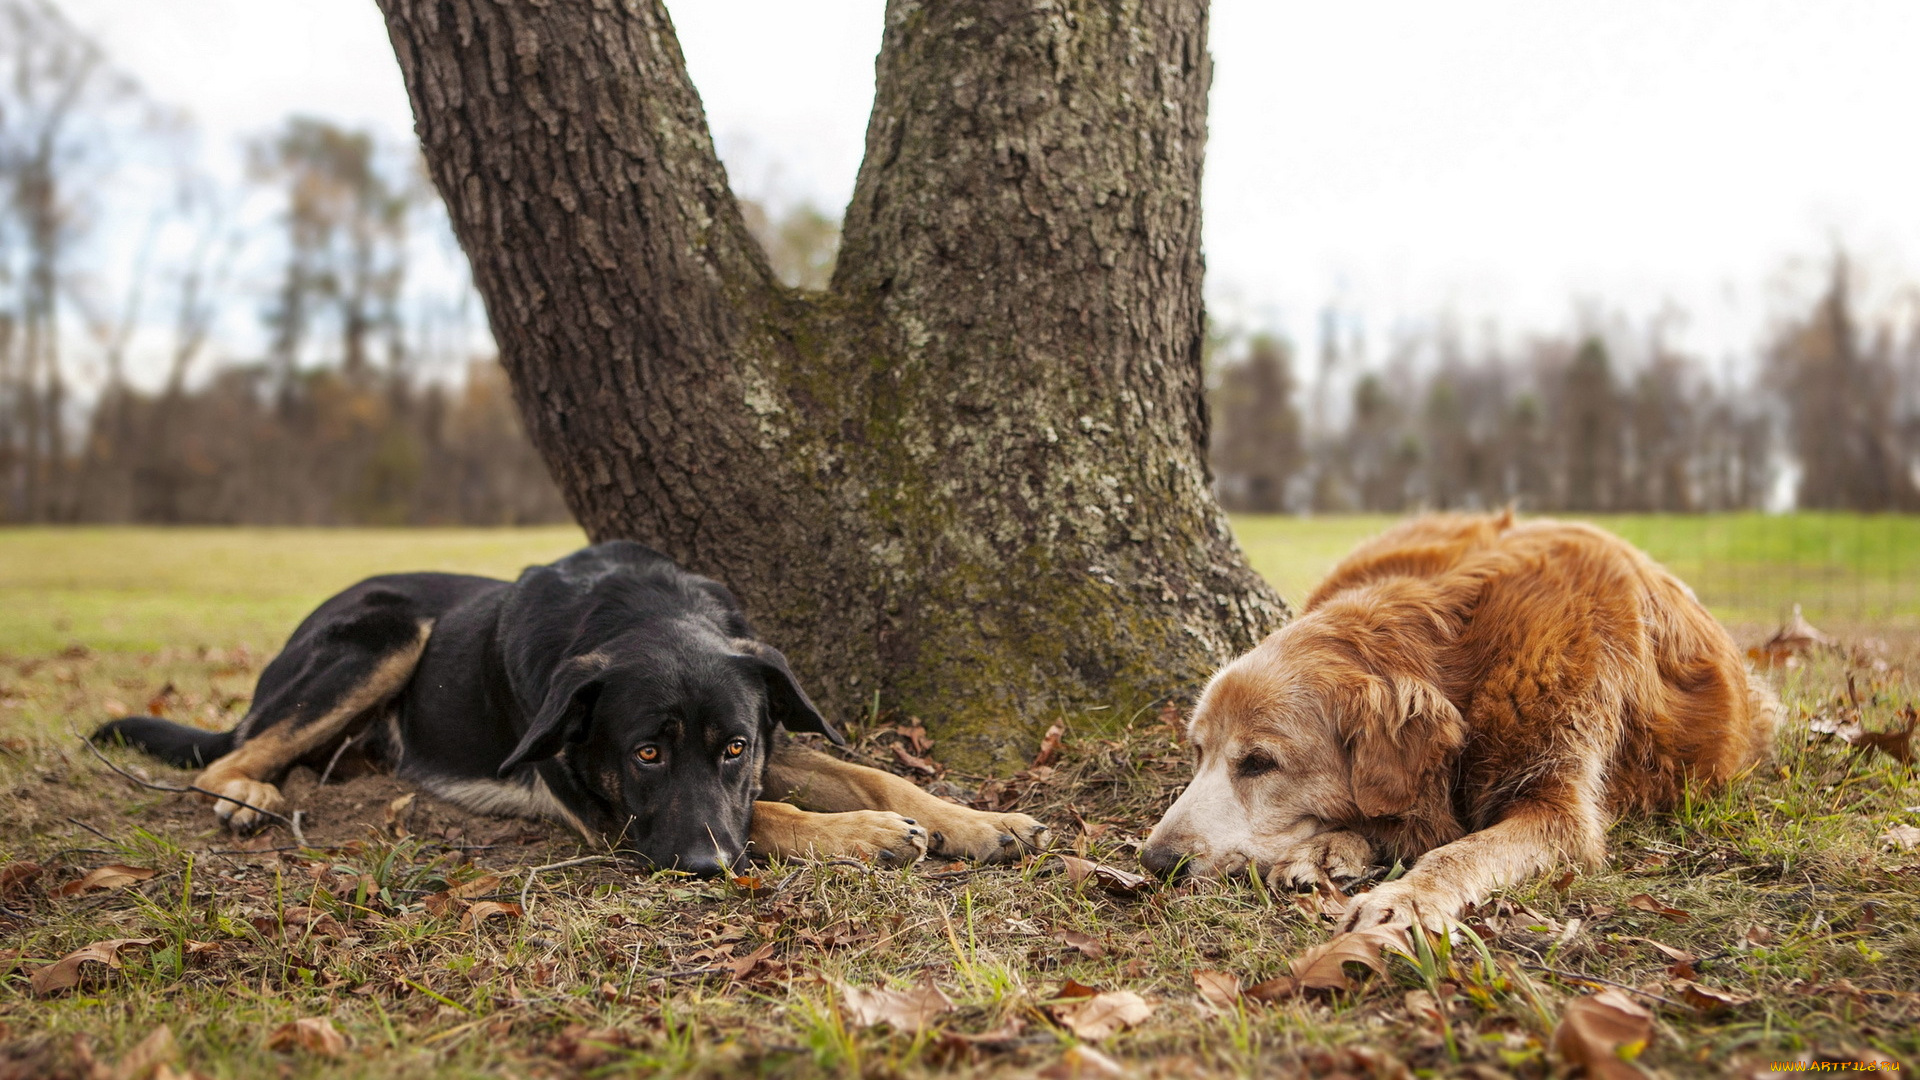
[667, 736]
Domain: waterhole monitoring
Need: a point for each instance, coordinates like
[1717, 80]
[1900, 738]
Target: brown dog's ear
[789, 705]
[1401, 738]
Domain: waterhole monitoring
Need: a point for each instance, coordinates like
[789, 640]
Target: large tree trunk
[969, 480]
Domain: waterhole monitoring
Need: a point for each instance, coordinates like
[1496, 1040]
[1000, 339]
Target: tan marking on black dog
[820, 782]
[247, 774]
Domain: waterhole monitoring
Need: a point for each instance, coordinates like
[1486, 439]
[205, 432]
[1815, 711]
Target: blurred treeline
[286, 333]
[1825, 416]
[282, 333]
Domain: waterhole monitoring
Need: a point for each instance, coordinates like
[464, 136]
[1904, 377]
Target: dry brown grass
[611, 973]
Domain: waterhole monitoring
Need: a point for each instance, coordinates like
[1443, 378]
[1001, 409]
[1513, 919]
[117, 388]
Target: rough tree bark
[969, 479]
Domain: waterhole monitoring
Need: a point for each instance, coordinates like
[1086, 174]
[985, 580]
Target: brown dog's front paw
[1332, 857]
[256, 795]
[962, 833]
[1404, 902]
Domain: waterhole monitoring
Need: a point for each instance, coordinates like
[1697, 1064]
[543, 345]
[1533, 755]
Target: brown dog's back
[1566, 641]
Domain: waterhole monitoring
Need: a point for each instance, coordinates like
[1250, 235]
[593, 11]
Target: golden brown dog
[1479, 695]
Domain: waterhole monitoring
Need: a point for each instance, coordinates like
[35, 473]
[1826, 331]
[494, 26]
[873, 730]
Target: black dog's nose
[1164, 861]
[707, 865]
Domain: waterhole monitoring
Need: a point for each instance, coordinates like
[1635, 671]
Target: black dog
[612, 691]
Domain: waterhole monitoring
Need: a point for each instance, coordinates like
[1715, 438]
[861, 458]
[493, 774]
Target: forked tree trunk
[968, 480]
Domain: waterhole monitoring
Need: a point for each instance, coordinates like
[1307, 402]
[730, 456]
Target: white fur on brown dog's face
[1271, 779]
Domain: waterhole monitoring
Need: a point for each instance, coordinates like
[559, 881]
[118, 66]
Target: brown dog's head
[1332, 723]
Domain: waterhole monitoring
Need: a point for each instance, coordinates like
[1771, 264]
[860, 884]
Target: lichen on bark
[970, 476]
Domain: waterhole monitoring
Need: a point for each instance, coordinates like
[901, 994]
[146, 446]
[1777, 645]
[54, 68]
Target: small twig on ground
[526, 891]
[1578, 977]
[293, 824]
[335, 760]
[175, 789]
[93, 830]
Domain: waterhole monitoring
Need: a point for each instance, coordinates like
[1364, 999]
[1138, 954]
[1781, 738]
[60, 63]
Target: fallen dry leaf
[1422, 1006]
[1903, 837]
[479, 886]
[148, 1057]
[487, 909]
[1323, 967]
[1101, 1015]
[1706, 1000]
[1678, 956]
[1793, 640]
[1603, 1033]
[16, 876]
[743, 966]
[751, 885]
[1645, 902]
[65, 972]
[1845, 728]
[107, 879]
[397, 813]
[1073, 989]
[1272, 990]
[314, 1034]
[1896, 743]
[906, 1011]
[921, 765]
[1089, 946]
[1111, 878]
[1220, 989]
[1082, 1063]
[1758, 935]
[1049, 746]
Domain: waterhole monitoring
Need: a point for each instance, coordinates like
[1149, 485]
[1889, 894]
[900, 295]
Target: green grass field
[142, 589]
[1794, 895]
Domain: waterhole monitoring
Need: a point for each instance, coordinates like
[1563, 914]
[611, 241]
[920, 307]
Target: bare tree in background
[1256, 444]
[1839, 392]
[970, 477]
[53, 82]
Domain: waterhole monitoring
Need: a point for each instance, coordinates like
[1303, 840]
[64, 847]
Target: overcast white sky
[1401, 158]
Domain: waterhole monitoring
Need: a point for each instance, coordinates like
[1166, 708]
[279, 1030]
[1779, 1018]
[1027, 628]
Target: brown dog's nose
[1163, 860]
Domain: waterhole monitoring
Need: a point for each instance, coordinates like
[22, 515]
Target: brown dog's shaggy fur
[1481, 696]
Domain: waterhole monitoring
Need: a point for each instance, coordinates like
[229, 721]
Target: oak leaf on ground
[1220, 989]
[1603, 1033]
[906, 1011]
[314, 1034]
[64, 973]
[107, 879]
[1101, 1015]
[1111, 878]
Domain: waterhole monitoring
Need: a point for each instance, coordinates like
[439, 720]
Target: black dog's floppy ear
[790, 706]
[562, 719]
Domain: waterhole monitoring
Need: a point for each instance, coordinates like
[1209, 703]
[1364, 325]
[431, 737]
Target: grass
[609, 973]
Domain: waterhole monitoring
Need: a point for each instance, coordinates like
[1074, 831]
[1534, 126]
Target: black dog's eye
[648, 754]
[1258, 763]
[736, 748]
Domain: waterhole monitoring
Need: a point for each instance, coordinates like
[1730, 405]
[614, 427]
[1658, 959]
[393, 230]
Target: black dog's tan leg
[246, 775]
[787, 832]
[818, 781]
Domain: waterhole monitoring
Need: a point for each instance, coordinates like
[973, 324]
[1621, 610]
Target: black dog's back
[323, 661]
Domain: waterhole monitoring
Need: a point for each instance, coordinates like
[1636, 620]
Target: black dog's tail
[175, 744]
